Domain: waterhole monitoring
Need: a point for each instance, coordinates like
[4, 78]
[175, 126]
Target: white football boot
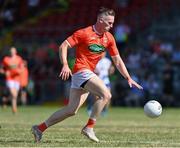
[89, 133]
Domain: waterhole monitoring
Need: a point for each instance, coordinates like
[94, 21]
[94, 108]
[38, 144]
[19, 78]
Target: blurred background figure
[12, 68]
[24, 79]
[168, 86]
[104, 68]
[121, 34]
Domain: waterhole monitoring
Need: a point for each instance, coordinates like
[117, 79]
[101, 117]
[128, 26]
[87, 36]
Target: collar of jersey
[96, 30]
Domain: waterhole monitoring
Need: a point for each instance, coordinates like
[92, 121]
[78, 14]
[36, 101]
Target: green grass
[122, 127]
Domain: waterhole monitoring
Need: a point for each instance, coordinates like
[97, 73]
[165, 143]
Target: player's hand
[2, 71]
[132, 83]
[65, 72]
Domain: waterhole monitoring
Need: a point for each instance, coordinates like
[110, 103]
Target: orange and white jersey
[12, 67]
[90, 47]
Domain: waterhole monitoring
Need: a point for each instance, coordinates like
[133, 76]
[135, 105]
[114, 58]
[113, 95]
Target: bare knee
[107, 96]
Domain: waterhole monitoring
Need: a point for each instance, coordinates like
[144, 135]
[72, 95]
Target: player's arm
[123, 70]
[111, 69]
[65, 71]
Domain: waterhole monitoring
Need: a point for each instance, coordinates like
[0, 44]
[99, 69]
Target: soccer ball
[153, 109]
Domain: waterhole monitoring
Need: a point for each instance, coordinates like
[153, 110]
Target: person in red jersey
[12, 66]
[90, 42]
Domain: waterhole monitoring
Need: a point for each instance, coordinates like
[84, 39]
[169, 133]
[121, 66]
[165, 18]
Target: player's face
[13, 51]
[108, 22]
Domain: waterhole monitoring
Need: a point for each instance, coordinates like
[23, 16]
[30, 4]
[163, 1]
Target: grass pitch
[122, 127]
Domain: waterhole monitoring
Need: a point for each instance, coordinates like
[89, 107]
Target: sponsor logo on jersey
[13, 66]
[96, 48]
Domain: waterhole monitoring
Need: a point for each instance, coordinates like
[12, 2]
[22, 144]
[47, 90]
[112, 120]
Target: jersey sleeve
[112, 48]
[76, 38]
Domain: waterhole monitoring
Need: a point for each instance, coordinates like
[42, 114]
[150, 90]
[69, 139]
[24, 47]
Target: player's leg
[105, 109]
[14, 94]
[13, 90]
[90, 101]
[23, 96]
[96, 86]
[5, 97]
[4, 101]
[76, 99]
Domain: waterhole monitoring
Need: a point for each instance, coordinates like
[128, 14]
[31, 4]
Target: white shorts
[13, 84]
[80, 77]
